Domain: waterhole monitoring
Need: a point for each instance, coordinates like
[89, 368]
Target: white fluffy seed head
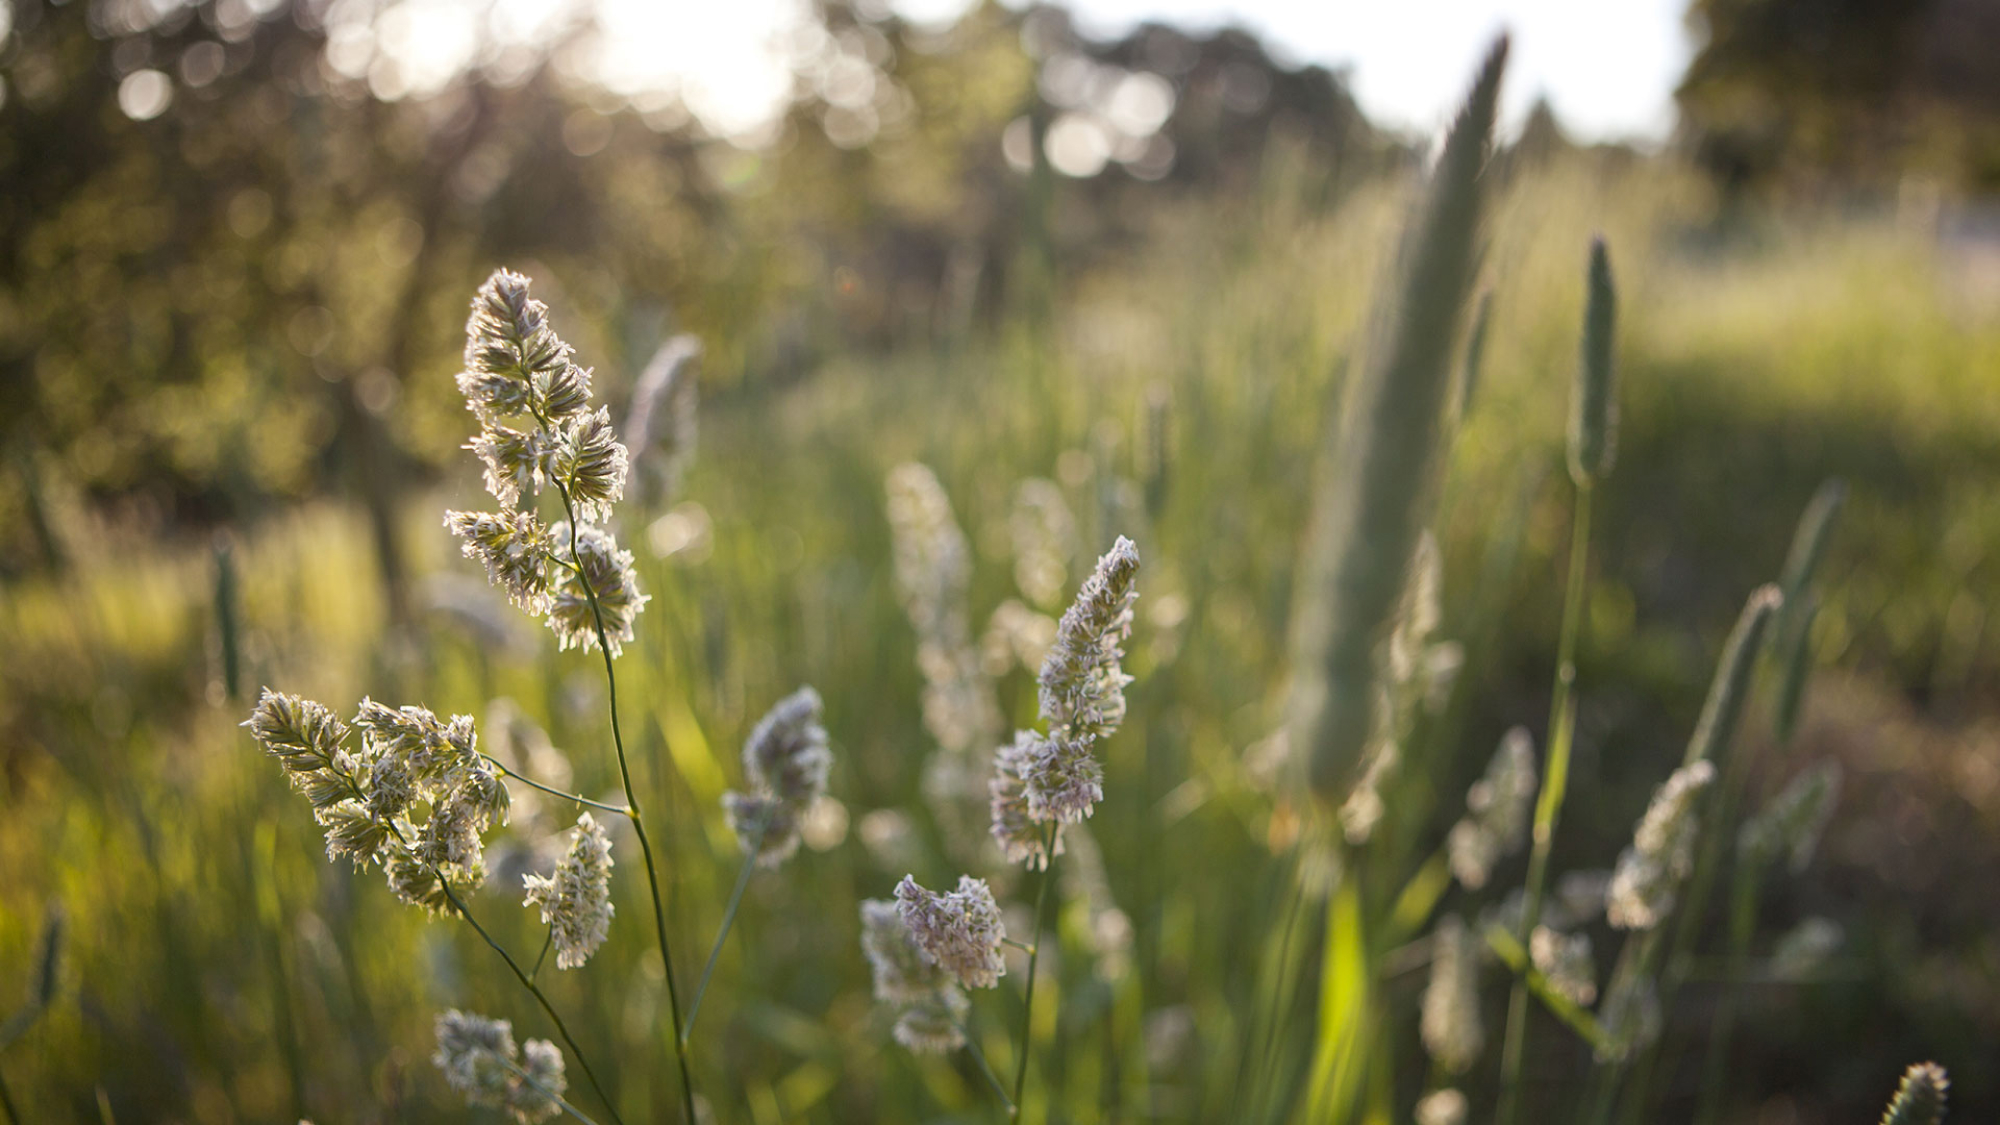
[1565, 959]
[1081, 684]
[575, 901]
[1449, 1021]
[1496, 812]
[480, 1061]
[785, 762]
[959, 930]
[1647, 880]
[610, 575]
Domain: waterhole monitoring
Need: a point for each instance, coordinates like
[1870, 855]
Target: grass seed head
[576, 900]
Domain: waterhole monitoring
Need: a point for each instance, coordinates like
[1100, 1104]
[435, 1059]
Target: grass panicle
[1378, 465]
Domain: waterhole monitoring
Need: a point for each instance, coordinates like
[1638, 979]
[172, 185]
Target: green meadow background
[229, 455]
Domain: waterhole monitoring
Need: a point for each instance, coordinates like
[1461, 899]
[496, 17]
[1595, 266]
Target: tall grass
[135, 804]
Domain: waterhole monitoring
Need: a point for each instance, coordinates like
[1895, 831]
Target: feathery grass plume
[1475, 356]
[518, 370]
[932, 559]
[1015, 635]
[609, 572]
[1630, 1017]
[1920, 1099]
[514, 362]
[1565, 959]
[1421, 612]
[1015, 828]
[516, 550]
[661, 428]
[1044, 535]
[1082, 688]
[1495, 824]
[902, 972]
[1450, 1019]
[363, 798]
[593, 462]
[933, 566]
[1790, 825]
[1722, 711]
[1802, 950]
[576, 900]
[930, 1008]
[1378, 466]
[1647, 879]
[1082, 692]
[1442, 1107]
[960, 930]
[785, 762]
[1593, 419]
[480, 1061]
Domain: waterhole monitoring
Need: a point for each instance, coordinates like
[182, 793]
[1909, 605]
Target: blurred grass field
[220, 970]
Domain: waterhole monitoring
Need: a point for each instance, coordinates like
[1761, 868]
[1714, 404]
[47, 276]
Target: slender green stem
[554, 792]
[1562, 1007]
[1022, 946]
[986, 1068]
[546, 1092]
[1034, 956]
[548, 940]
[7, 1103]
[632, 809]
[529, 984]
[721, 935]
[1548, 808]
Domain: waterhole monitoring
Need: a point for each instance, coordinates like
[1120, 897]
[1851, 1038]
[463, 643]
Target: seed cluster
[537, 431]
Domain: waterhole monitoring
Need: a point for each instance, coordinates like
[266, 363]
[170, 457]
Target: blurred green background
[228, 325]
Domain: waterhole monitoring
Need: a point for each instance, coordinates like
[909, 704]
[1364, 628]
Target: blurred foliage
[244, 313]
[1845, 90]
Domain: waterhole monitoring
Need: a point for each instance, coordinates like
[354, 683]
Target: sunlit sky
[1608, 66]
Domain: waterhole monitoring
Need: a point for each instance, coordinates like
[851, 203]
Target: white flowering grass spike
[1496, 812]
[1790, 825]
[480, 1061]
[1442, 1107]
[612, 578]
[1565, 959]
[363, 799]
[1647, 880]
[927, 998]
[960, 930]
[538, 431]
[576, 901]
[515, 364]
[1020, 835]
[1082, 686]
[785, 762]
[1449, 1021]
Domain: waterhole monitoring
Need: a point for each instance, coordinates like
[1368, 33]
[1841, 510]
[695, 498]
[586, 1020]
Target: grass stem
[722, 934]
[632, 809]
[1548, 807]
[1034, 956]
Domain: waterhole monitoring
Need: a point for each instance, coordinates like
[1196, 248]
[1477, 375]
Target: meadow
[218, 968]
